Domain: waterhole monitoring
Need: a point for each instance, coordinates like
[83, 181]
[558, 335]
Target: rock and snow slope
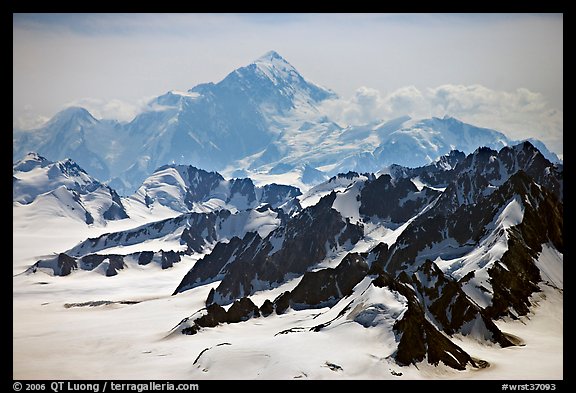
[411, 273]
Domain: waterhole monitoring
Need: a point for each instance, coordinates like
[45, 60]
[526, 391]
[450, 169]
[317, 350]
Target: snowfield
[87, 326]
[401, 232]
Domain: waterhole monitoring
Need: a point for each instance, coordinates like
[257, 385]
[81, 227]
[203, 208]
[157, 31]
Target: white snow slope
[59, 332]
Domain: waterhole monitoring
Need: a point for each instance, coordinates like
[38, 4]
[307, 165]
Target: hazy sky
[496, 70]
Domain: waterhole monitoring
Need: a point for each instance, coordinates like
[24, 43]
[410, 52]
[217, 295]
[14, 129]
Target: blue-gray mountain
[264, 114]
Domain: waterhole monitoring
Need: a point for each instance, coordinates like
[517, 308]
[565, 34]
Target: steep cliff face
[258, 263]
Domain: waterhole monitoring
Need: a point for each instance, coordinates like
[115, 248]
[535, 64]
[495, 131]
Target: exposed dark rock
[66, 264]
[451, 308]
[516, 278]
[208, 269]
[169, 258]
[116, 210]
[209, 298]
[267, 308]
[304, 244]
[243, 187]
[90, 262]
[145, 257]
[468, 224]
[282, 303]
[214, 316]
[334, 367]
[201, 229]
[201, 184]
[242, 310]
[327, 286]
[395, 200]
[418, 337]
[437, 174]
[301, 243]
[116, 262]
[88, 218]
[278, 194]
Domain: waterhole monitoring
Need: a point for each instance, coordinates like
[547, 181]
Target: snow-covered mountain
[412, 246]
[163, 242]
[460, 256]
[65, 189]
[263, 121]
[415, 260]
[186, 188]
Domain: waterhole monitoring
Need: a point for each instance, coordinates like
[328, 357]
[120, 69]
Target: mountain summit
[264, 118]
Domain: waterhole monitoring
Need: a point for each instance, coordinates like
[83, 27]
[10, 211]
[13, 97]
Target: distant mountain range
[263, 121]
[415, 234]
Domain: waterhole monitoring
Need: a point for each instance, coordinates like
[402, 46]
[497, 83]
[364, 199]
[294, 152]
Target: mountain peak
[30, 161]
[275, 66]
[269, 57]
[73, 113]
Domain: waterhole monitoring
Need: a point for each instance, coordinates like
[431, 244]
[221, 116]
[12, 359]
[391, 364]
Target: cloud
[519, 113]
[114, 109]
[28, 119]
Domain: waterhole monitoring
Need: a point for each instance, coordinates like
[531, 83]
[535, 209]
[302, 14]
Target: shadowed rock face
[215, 315]
[208, 268]
[277, 194]
[116, 262]
[145, 257]
[202, 230]
[255, 263]
[471, 202]
[242, 187]
[444, 299]
[66, 264]
[169, 258]
[201, 184]
[395, 200]
[437, 174]
[419, 339]
[267, 308]
[197, 186]
[242, 310]
[327, 286]
[516, 278]
[116, 211]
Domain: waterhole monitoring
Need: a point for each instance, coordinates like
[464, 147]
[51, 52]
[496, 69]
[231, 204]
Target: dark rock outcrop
[145, 257]
[395, 200]
[256, 263]
[327, 286]
[169, 258]
[418, 338]
[116, 262]
[214, 314]
[242, 310]
[444, 299]
[267, 308]
[66, 264]
[244, 188]
[116, 211]
[208, 268]
[516, 277]
[278, 194]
